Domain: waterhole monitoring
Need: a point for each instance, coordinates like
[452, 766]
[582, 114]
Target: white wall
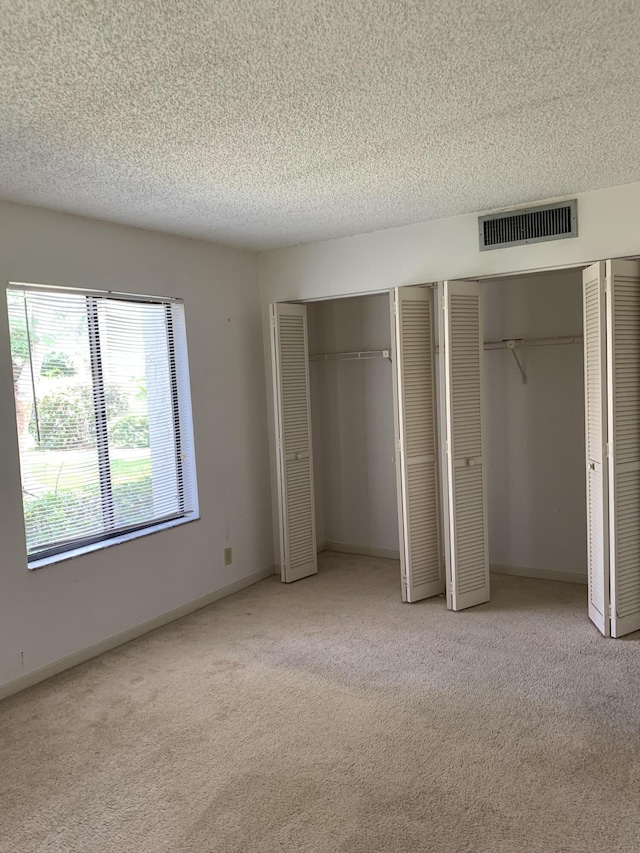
[352, 411]
[446, 248]
[608, 222]
[535, 432]
[56, 611]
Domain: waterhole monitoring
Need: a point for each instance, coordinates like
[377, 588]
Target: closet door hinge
[443, 303]
[399, 446]
[273, 321]
[445, 447]
[611, 611]
[610, 450]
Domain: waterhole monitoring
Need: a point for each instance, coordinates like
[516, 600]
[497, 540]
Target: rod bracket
[511, 345]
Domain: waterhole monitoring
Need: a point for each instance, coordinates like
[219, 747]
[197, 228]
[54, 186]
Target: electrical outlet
[227, 556]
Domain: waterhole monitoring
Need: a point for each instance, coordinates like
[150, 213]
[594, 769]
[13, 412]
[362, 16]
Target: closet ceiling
[264, 123]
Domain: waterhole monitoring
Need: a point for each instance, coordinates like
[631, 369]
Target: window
[103, 414]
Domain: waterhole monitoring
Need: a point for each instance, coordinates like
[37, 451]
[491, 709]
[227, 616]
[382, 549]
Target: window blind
[97, 382]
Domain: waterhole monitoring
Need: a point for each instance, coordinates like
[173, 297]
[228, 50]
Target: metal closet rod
[521, 343]
[518, 343]
[350, 356]
[507, 343]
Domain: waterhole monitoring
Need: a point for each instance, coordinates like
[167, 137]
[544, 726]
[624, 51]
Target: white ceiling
[265, 123]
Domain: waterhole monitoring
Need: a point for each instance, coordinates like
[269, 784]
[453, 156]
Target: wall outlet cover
[227, 556]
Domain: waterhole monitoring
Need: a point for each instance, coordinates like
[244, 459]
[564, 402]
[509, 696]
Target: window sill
[108, 543]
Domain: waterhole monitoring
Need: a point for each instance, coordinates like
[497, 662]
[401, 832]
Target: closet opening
[351, 398]
[534, 425]
[356, 437]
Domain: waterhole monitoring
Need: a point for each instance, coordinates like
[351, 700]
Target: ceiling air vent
[529, 225]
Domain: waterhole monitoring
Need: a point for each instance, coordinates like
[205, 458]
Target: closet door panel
[290, 363]
[623, 376]
[465, 529]
[413, 353]
[595, 384]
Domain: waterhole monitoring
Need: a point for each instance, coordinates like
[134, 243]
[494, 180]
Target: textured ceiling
[272, 122]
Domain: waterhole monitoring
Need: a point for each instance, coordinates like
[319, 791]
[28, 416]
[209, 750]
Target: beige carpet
[327, 716]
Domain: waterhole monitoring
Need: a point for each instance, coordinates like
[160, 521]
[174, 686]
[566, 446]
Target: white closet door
[623, 422]
[290, 362]
[413, 354]
[595, 387]
[461, 388]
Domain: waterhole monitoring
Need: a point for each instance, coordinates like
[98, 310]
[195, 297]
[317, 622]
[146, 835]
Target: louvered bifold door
[413, 355]
[595, 387]
[465, 512]
[623, 417]
[290, 361]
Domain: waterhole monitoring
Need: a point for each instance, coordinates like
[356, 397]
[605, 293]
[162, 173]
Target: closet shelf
[350, 356]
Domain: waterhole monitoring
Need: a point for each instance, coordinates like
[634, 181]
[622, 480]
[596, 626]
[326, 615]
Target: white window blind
[101, 385]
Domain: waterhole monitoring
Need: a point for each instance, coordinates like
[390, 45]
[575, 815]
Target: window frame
[181, 413]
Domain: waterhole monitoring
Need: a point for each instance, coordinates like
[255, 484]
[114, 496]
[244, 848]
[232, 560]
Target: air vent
[529, 225]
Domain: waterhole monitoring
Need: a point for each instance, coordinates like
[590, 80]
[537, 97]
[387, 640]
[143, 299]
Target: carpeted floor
[326, 716]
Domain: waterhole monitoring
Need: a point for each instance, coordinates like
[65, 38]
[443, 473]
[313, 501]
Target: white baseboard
[540, 574]
[364, 550]
[60, 665]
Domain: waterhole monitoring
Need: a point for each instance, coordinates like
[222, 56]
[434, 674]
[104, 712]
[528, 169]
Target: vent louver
[529, 225]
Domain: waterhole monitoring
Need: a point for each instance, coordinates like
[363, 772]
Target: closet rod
[350, 356]
[508, 343]
[520, 343]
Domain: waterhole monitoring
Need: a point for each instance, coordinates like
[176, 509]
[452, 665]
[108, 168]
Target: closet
[516, 434]
[351, 397]
[336, 403]
[534, 451]
[534, 425]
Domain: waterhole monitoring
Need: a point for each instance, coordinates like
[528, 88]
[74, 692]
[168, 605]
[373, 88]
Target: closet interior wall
[534, 433]
[352, 423]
